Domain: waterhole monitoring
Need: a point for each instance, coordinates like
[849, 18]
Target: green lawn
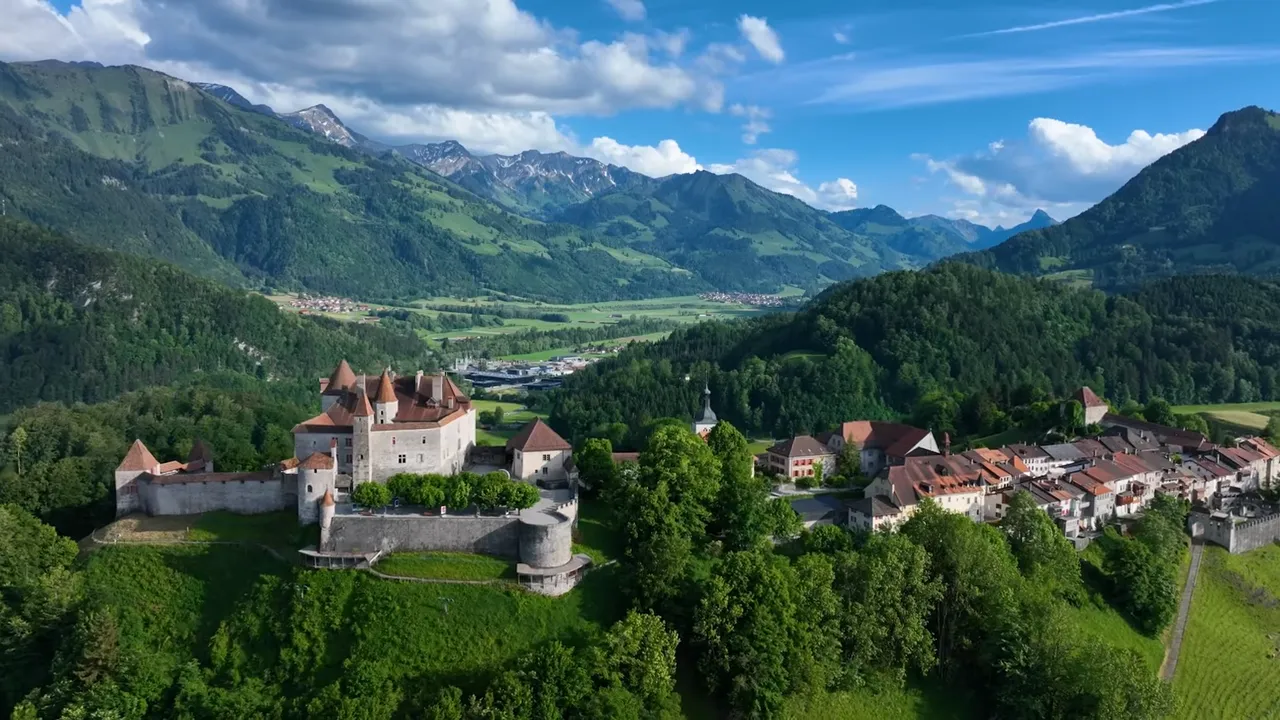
[1230, 661]
[1245, 415]
[592, 536]
[279, 530]
[514, 416]
[447, 566]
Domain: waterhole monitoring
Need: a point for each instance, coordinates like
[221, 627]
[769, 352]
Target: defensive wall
[1235, 534]
[248, 496]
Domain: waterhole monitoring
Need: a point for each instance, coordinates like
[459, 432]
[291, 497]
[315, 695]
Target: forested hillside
[941, 344]
[1210, 206]
[138, 161]
[80, 324]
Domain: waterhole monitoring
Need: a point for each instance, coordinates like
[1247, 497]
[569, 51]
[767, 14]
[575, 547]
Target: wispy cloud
[1100, 17]
[876, 83]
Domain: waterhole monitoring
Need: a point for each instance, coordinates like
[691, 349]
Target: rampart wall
[247, 497]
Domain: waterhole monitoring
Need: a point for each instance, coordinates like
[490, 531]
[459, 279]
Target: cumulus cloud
[756, 121]
[840, 37]
[632, 10]
[776, 170]
[1060, 166]
[665, 159]
[762, 38]
[482, 56]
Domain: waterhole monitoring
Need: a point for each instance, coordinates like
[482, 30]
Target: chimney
[946, 443]
[437, 387]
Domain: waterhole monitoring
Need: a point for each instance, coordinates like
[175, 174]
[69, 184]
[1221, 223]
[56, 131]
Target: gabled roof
[413, 406]
[199, 452]
[317, 461]
[1063, 452]
[538, 436]
[1187, 439]
[800, 446]
[139, 458]
[1027, 452]
[341, 379]
[1088, 398]
[875, 507]
[894, 439]
[385, 392]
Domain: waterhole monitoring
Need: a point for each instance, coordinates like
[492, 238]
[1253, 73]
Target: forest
[79, 324]
[953, 335]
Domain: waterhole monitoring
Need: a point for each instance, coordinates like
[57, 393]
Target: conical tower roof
[327, 500]
[386, 394]
[199, 451]
[139, 458]
[341, 379]
[363, 408]
[708, 415]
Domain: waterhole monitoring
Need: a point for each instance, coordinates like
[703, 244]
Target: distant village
[327, 304]
[738, 298]
[1084, 485]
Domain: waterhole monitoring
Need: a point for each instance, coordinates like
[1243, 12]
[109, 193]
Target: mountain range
[1212, 205]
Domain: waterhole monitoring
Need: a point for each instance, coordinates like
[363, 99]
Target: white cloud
[884, 82]
[840, 37]
[478, 56]
[776, 170]
[1099, 17]
[1061, 167]
[632, 10]
[756, 121]
[665, 159]
[762, 37]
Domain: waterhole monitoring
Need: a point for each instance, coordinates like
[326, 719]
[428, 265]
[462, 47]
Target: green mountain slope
[84, 324]
[136, 160]
[1212, 205]
[885, 346]
[734, 233]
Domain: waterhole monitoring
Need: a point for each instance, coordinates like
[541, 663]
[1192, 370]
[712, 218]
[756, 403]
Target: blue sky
[974, 109]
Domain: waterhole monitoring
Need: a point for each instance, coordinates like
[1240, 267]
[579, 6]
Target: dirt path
[441, 581]
[270, 550]
[1170, 665]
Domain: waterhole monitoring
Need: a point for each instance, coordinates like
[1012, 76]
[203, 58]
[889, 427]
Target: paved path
[442, 581]
[1184, 608]
[240, 543]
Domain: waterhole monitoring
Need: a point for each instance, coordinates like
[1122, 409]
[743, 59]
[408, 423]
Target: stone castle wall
[247, 497]
[1236, 537]
[498, 536]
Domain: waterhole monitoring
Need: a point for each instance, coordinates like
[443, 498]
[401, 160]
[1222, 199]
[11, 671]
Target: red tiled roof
[341, 379]
[413, 410]
[895, 439]
[1088, 398]
[317, 461]
[931, 475]
[800, 446]
[138, 458]
[199, 452]
[362, 407]
[385, 393]
[289, 464]
[537, 436]
[622, 457]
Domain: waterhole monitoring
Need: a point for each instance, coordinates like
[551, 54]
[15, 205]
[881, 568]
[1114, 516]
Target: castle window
[424, 439]
[546, 458]
[402, 459]
[348, 459]
[419, 457]
[393, 439]
[308, 488]
[347, 442]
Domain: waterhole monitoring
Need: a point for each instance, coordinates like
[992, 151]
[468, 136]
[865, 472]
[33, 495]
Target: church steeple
[707, 420]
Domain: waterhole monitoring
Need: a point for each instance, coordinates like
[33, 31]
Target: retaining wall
[498, 536]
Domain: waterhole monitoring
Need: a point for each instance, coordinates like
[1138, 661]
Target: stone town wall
[498, 536]
[247, 497]
[1256, 533]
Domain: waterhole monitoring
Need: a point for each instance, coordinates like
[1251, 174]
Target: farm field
[514, 416]
[1230, 661]
[1252, 416]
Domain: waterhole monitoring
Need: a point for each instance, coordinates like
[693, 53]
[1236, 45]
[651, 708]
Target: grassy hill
[135, 160]
[1210, 206]
[734, 233]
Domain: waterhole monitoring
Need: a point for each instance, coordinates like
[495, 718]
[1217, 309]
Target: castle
[367, 431]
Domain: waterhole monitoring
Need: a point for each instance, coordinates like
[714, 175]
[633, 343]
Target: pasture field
[514, 416]
[1251, 416]
[1229, 666]
[915, 702]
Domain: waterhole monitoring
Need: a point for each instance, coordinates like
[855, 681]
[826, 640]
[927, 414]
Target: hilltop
[1210, 206]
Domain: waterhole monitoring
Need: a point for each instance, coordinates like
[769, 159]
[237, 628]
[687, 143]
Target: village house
[955, 483]
[1062, 501]
[1034, 457]
[872, 513]
[1254, 460]
[881, 444]
[1097, 503]
[796, 458]
[539, 453]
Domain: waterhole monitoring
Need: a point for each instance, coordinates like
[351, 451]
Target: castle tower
[703, 425]
[316, 477]
[384, 402]
[327, 510]
[362, 439]
[336, 386]
[137, 461]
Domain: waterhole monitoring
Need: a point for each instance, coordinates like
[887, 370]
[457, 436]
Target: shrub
[457, 492]
[491, 490]
[520, 495]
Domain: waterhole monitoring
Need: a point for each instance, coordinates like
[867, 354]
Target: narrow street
[1170, 665]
